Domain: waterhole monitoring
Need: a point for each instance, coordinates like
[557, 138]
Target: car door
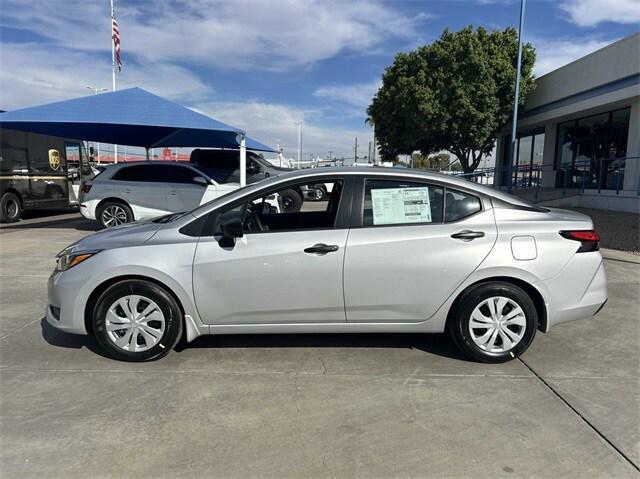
[288, 272]
[415, 244]
[143, 188]
[183, 193]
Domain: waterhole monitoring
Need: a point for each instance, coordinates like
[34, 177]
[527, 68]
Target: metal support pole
[514, 121]
[113, 74]
[243, 161]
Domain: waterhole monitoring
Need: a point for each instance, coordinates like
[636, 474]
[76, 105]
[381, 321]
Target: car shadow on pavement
[58, 218]
[58, 338]
[438, 344]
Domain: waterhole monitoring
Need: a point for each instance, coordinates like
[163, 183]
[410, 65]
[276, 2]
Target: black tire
[290, 201]
[104, 211]
[10, 208]
[320, 193]
[458, 324]
[165, 302]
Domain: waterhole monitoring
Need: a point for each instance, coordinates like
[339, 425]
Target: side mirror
[231, 229]
[201, 180]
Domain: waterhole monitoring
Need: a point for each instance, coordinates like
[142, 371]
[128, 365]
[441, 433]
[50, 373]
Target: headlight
[66, 260]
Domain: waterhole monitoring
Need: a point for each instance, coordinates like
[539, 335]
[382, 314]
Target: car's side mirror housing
[201, 180]
[231, 229]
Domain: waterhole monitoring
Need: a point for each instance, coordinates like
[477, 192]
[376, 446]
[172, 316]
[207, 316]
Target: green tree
[434, 162]
[454, 95]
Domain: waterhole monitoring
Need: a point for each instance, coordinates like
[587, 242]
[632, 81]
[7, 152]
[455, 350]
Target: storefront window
[591, 151]
[527, 170]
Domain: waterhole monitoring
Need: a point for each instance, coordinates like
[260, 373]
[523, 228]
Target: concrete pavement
[311, 406]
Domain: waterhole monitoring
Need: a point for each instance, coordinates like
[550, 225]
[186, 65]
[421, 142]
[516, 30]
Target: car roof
[382, 172]
[452, 180]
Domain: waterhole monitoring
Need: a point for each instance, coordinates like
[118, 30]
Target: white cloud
[31, 76]
[243, 34]
[276, 123]
[552, 54]
[358, 95]
[589, 13]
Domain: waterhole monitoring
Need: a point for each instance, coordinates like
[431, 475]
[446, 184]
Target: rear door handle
[322, 249]
[468, 235]
[173, 192]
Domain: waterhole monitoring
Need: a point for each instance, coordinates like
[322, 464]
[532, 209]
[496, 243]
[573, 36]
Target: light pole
[95, 91]
[355, 150]
[514, 121]
[299, 123]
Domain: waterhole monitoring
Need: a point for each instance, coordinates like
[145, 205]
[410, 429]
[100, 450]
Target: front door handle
[468, 235]
[321, 248]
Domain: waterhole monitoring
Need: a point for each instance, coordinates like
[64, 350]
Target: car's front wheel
[136, 320]
[494, 322]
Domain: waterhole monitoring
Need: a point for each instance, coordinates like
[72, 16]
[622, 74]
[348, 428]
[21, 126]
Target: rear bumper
[589, 303]
[88, 209]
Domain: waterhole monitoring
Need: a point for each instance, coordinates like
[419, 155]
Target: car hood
[129, 234]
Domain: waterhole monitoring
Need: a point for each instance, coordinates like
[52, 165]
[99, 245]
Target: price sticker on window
[401, 205]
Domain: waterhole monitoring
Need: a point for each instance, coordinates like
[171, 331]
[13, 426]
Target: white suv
[128, 192]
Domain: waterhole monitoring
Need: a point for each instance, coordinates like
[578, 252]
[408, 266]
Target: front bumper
[64, 310]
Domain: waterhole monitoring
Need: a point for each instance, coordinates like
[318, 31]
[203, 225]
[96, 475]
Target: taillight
[589, 239]
[86, 188]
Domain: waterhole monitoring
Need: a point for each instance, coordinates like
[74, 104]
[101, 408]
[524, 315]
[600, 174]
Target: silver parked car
[389, 251]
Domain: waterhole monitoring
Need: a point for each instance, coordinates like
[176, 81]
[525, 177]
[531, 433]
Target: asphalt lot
[311, 406]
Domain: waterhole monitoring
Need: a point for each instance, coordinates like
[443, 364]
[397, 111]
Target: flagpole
[113, 73]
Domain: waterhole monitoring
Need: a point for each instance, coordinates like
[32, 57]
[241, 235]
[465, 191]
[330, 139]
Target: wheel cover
[135, 323]
[12, 208]
[287, 203]
[497, 324]
[114, 215]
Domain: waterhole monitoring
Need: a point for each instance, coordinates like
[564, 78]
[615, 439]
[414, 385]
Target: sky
[264, 65]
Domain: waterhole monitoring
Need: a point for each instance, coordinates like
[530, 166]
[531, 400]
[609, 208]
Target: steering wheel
[252, 221]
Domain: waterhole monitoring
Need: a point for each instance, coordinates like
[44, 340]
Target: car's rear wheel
[494, 322]
[137, 320]
[10, 208]
[114, 213]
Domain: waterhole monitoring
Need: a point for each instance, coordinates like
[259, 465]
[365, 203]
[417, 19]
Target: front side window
[177, 174]
[294, 208]
[391, 202]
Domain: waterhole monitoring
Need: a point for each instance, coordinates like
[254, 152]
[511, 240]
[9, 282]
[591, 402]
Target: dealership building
[578, 140]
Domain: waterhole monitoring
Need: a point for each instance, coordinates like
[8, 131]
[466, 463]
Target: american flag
[115, 35]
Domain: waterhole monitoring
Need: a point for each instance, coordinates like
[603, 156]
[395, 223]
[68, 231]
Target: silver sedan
[387, 251]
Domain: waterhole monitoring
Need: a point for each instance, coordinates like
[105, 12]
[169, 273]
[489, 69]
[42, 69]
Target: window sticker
[401, 205]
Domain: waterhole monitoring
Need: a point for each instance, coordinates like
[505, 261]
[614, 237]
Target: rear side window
[156, 174]
[391, 202]
[459, 205]
[133, 173]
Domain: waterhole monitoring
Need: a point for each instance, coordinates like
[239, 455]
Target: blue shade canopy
[132, 117]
